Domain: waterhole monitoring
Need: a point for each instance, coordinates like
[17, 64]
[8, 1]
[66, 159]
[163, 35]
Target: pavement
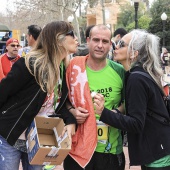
[60, 167]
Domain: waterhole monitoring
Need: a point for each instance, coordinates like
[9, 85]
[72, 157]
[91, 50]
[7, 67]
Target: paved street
[126, 168]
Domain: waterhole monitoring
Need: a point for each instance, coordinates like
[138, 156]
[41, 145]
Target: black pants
[99, 161]
[149, 168]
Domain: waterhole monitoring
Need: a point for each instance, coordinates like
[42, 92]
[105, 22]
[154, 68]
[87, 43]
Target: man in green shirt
[105, 77]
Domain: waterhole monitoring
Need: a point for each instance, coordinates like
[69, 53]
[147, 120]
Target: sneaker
[49, 167]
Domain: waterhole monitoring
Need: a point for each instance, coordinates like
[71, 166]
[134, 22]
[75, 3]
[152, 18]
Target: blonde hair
[45, 58]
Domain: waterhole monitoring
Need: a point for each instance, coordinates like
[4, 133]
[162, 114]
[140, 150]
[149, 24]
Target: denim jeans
[10, 158]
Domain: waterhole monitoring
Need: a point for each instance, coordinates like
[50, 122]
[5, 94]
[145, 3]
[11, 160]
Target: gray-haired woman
[148, 136]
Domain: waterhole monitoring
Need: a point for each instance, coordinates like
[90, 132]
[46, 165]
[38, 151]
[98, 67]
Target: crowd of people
[116, 85]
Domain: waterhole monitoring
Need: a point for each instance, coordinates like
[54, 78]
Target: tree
[156, 26]
[92, 3]
[50, 10]
[147, 4]
[41, 12]
[126, 17]
[143, 23]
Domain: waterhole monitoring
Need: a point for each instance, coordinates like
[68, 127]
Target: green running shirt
[108, 82]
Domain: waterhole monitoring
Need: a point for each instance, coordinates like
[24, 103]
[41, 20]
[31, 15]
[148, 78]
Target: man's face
[99, 43]
[30, 39]
[13, 49]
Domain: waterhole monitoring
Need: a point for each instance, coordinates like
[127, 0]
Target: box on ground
[44, 144]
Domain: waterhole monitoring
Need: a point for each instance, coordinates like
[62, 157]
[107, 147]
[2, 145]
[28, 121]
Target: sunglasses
[122, 44]
[71, 33]
[13, 45]
[114, 45]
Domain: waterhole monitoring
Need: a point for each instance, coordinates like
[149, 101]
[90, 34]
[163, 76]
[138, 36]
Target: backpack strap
[151, 113]
[149, 77]
[158, 118]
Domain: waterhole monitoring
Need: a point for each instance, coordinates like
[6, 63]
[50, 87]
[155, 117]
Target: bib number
[102, 130]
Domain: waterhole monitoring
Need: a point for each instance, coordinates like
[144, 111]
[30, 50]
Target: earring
[132, 58]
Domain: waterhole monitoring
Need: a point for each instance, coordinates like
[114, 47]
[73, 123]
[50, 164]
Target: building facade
[105, 12]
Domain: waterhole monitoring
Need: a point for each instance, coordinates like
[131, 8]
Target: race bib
[102, 130]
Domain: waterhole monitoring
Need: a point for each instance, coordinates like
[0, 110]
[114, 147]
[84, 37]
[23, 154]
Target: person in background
[32, 35]
[33, 82]
[95, 146]
[5, 37]
[88, 29]
[164, 58]
[9, 58]
[3, 42]
[117, 35]
[147, 119]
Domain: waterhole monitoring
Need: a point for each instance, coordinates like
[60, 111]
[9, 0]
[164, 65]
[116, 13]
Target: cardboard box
[44, 145]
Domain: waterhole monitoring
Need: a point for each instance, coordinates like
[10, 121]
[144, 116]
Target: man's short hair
[120, 31]
[34, 30]
[87, 33]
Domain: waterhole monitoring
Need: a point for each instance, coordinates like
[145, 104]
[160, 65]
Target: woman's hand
[80, 114]
[70, 129]
[98, 101]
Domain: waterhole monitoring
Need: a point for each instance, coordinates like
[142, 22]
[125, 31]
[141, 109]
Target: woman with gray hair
[146, 112]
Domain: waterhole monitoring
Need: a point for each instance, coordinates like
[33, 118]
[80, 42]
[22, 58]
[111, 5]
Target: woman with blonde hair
[147, 118]
[35, 85]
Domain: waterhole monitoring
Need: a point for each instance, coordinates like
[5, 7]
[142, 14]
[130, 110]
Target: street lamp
[70, 19]
[164, 18]
[136, 5]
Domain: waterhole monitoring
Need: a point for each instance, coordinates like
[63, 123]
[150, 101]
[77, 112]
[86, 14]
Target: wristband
[70, 108]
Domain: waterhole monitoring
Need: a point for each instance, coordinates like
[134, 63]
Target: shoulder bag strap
[151, 113]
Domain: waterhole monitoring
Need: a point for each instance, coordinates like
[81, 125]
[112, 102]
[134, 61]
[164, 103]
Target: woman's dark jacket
[20, 101]
[148, 139]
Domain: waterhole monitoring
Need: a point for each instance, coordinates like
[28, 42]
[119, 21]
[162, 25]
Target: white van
[1, 35]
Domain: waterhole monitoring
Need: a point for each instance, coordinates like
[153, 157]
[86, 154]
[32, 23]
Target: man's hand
[80, 114]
